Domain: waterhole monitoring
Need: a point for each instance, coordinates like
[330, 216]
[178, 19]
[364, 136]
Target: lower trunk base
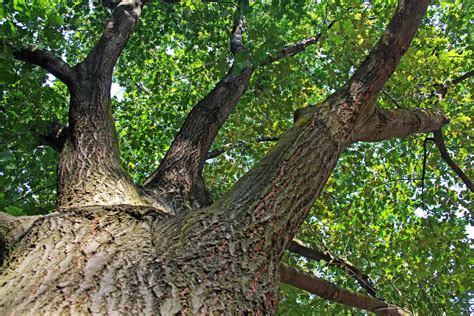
[126, 260]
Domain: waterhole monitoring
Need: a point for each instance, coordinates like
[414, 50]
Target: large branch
[47, 60]
[180, 171]
[370, 77]
[316, 254]
[439, 141]
[104, 55]
[332, 292]
[272, 200]
[386, 124]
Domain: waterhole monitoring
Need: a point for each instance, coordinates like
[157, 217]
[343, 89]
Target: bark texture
[90, 171]
[179, 174]
[112, 249]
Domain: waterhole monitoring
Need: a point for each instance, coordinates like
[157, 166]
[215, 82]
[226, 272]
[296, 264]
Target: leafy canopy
[405, 228]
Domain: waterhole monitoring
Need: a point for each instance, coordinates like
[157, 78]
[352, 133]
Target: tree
[167, 246]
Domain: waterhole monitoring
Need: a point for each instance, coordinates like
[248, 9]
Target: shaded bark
[83, 262]
[12, 229]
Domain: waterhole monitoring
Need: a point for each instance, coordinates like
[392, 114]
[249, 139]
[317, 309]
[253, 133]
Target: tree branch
[441, 90]
[48, 61]
[332, 292]
[370, 77]
[55, 137]
[316, 254]
[103, 57]
[294, 48]
[386, 124]
[236, 43]
[217, 152]
[180, 171]
[463, 77]
[439, 141]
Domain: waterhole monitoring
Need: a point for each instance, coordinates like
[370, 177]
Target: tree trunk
[106, 251]
[90, 171]
[126, 260]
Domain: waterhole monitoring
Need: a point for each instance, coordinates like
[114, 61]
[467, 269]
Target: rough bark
[180, 173]
[90, 171]
[224, 258]
[86, 261]
[12, 229]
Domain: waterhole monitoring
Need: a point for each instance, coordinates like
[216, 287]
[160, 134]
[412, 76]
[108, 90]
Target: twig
[217, 152]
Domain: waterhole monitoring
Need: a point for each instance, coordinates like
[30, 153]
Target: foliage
[407, 232]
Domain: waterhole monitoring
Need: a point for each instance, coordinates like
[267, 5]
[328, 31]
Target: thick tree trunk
[90, 171]
[127, 260]
[104, 253]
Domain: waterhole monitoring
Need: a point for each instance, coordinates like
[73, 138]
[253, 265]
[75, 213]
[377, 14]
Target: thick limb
[48, 61]
[180, 171]
[387, 124]
[90, 171]
[332, 292]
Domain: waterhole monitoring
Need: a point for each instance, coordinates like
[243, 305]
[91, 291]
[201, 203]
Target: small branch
[316, 254]
[332, 292]
[439, 141]
[463, 77]
[236, 44]
[217, 152]
[293, 49]
[47, 60]
[423, 172]
[392, 99]
[441, 90]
